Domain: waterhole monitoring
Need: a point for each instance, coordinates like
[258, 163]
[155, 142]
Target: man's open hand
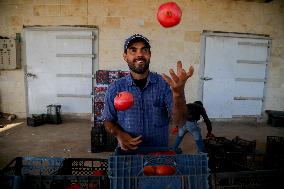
[177, 80]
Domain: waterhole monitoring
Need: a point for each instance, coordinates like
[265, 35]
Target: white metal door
[59, 68]
[234, 75]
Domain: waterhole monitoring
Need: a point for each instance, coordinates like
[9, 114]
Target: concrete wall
[117, 19]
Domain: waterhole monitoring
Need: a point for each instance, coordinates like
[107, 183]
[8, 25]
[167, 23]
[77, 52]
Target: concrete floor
[73, 138]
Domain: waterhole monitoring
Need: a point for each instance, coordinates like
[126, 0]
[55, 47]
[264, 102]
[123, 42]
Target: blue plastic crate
[144, 150]
[126, 171]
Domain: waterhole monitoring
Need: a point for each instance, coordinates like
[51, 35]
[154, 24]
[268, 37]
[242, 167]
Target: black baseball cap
[136, 38]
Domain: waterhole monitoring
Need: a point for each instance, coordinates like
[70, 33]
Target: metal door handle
[30, 75]
[206, 78]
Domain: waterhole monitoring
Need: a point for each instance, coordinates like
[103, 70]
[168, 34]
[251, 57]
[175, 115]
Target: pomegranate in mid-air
[169, 14]
[123, 101]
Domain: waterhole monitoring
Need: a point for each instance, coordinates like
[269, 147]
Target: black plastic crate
[53, 109]
[242, 161]
[33, 166]
[54, 119]
[244, 145]
[274, 162]
[222, 145]
[11, 182]
[221, 163]
[40, 119]
[64, 182]
[36, 120]
[275, 118]
[237, 161]
[275, 145]
[55, 173]
[12, 175]
[212, 146]
[263, 179]
[84, 166]
[75, 173]
[54, 114]
[101, 140]
[222, 140]
[247, 161]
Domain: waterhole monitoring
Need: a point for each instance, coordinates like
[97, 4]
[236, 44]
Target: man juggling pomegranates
[139, 107]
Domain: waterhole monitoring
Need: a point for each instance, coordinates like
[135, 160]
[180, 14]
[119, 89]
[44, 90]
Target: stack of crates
[100, 139]
[55, 173]
[126, 171]
[216, 149]
[236, 164]
[261, 179]
[54, 114]
[243, 161]
[275, 145]
[224, 153]
[242, 145]
[36, 120]
[275, 152]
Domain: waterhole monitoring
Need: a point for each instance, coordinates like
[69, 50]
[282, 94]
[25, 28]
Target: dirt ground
[72, 138]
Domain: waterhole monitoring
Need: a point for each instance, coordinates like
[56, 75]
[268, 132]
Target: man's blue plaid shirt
[149, 116]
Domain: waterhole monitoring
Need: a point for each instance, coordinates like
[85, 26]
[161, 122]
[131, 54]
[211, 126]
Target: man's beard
[141, 69]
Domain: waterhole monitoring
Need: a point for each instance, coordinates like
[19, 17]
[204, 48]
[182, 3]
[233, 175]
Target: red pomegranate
[123, 101]
[169, 14]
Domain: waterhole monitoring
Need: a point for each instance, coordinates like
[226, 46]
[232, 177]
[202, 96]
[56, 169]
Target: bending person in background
[194, 111]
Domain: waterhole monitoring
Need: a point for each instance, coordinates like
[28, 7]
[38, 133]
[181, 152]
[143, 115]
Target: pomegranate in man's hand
[123, 101]
[169, 14]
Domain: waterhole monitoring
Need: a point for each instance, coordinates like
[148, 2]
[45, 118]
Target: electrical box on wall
[10, 57]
